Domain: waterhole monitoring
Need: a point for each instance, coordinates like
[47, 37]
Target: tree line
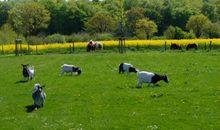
[48, 21]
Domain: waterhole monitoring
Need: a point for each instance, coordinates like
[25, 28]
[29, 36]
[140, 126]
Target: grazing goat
[28, 71]
[70, 69]
[92, 46]
[38, 95]
[175, 46]
[126, 67]
[98, 46]
[149, 77]
[191, 46]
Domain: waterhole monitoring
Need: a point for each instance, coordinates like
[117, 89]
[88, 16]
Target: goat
[28, 71]
[38, 95]
[70, 69]
[92, 46]
[126, 67]
[174, 46]
[150, 77]
[192, 46]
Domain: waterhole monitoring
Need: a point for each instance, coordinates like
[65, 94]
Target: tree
[4, 8]
[210, 11]
[100, 23]
[180, 16]
[167, 13]
[146, 27]
[170, 32]
[175, 33]
[198, 23]
[117, 11]
[129, 4]
[133, 15]
[7, 35]
[28, 18]
[213, 30]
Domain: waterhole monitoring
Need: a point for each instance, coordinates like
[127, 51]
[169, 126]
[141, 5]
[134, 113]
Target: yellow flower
[10, 48]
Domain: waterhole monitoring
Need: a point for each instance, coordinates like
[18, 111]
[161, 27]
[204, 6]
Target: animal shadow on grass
[21, 81]
[151, 86]
[30, 108]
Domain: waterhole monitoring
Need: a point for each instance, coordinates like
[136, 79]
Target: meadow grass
[102, 99]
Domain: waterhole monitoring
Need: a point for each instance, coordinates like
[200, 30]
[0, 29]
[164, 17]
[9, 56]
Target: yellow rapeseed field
[11, 47]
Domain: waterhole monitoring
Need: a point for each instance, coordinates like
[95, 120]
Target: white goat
[38, 96]
[28, 71]
[126, 67]
[150, 77]
[70, 69]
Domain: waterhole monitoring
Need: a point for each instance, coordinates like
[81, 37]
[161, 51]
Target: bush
[178, 33]
[141, 34]
[78, 37]
[158, 38]
[55, 38]
[103, 36]
[190, 35]
[35, 40]
[7, 35]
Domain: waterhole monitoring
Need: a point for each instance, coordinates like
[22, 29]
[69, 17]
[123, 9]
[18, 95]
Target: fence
[120, 45]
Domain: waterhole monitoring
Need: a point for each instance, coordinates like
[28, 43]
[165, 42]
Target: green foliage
[190, 35]
[145, 28]
[78, 37]
[213, 31]
[132, 16]
[103, 36]
[77, 16]
[7, 35]
[35, 40]
[199, 24]
[55, 38]
[4, 8]
[102, 99]
[210, 10]
[178, 33]
[100, 23]
[28, 17]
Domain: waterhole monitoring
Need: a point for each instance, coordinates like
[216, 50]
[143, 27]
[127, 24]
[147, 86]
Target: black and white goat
[150, 77]
[27, 71]
[70, 69]
[38, 95]
[126, 67]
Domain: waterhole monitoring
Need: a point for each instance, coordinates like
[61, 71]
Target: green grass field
[102, 99]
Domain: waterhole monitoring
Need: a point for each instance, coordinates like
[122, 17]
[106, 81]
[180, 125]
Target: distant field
[202, 43]
[102, 99]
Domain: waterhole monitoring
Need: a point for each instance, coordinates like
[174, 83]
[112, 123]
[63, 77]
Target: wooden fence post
[210, 46]
[17, 42]
[165, 45]
[137, 47]
[20, 48]
[124, 47]
[73, 46]
[2, 49]
[119, 45]
[70, 49]
[36, 50]
[16, 48]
